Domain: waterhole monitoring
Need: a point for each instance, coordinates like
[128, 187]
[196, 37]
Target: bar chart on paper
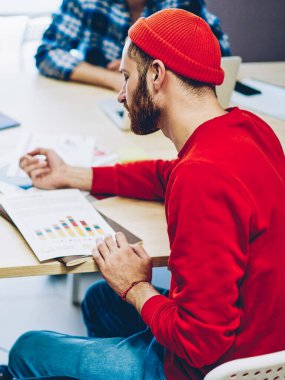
[57, 223]
[69, 227]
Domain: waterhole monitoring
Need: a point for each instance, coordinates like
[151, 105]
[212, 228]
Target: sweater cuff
[151, 306]
[103, 181]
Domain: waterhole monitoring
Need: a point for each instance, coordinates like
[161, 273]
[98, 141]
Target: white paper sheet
[271, 101]
[6, 189]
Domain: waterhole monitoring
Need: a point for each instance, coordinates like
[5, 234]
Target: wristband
[123, 295]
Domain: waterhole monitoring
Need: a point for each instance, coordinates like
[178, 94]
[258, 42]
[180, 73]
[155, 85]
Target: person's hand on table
[114, 65]
[48, 173]
[122, 264]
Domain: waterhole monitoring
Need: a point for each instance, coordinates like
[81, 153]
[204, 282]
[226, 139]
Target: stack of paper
[74, 150]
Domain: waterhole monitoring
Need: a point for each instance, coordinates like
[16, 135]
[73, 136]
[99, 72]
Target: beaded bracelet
[123, 295]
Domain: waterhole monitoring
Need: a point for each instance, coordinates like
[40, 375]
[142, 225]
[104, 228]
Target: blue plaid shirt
[94, 31]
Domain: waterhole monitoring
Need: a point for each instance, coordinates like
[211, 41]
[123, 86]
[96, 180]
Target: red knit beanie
[183, 41]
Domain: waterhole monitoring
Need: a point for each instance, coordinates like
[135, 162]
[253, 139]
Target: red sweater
[225, 208]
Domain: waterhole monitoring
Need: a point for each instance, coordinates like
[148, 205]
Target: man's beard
[144, 114]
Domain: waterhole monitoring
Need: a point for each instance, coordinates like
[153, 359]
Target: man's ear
[157, 74]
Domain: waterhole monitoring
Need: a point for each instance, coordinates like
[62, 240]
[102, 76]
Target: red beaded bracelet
[123, 295]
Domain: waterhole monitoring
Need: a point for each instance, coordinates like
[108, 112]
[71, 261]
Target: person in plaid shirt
[86, 37]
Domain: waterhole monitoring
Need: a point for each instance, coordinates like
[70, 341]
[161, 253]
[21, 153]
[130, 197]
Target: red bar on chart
[75, 226]
[67, 228]
[87, 228]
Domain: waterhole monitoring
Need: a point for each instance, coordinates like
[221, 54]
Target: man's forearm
[141, 293]
[98, 76]
[79, 178]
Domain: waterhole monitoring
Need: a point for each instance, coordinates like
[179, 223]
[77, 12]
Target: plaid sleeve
[215, 25]
[53, 58]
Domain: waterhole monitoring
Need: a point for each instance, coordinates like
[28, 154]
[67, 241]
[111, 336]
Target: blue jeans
[119, 345]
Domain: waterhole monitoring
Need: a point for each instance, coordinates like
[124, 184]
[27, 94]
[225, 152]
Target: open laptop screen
[230, 66]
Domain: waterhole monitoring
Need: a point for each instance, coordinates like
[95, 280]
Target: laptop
[230, 65]
[224, 92]
[116, 112]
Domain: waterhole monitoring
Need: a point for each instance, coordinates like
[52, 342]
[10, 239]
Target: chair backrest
[263, 367]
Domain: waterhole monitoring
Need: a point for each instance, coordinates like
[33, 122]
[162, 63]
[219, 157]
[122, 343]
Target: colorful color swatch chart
[57, 223]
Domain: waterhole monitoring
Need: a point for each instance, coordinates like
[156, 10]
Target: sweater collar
[233, 113]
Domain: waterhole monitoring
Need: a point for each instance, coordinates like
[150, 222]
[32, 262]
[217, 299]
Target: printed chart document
[56, 223]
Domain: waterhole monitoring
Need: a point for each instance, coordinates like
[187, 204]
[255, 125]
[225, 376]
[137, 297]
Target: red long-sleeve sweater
[225, 208]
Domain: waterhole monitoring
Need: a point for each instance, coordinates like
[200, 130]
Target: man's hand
[122, 264]
[46, 173]
[53, 173]
[114, 65]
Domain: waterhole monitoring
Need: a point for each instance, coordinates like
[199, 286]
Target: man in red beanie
[225, 209]
[96, 30]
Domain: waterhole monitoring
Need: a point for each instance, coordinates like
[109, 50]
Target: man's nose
[122, 95]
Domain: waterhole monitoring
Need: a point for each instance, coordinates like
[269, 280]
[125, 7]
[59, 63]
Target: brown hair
[144, 62]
